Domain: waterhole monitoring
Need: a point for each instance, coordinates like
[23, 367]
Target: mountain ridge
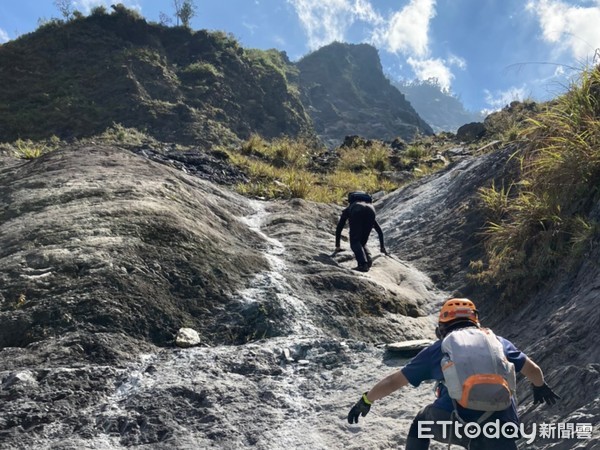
[182, 86]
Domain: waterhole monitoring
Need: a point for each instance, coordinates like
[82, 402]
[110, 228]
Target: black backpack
[359, 196]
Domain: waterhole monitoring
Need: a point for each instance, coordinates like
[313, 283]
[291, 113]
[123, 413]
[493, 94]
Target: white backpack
[476, 372]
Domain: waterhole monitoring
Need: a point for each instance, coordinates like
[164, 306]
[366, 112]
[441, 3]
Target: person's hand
[337, 250]
[543, 394]
[383, 250]
[361, 408]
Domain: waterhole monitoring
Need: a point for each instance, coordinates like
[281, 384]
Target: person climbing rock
[360, 214]
[475, 370]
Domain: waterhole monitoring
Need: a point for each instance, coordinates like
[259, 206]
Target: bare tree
[164, 19]
[65, 7]
[177, 5]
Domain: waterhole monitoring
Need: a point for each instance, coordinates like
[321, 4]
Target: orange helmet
[458, 308]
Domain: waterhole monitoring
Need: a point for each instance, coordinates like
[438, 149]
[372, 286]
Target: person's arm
[533, 372]
[380, 234]
[416, 371]
[340, 227]
[541, 391]
[388, 385]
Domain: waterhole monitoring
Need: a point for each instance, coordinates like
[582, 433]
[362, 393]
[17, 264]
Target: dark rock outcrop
[346, 93]
[470, 132]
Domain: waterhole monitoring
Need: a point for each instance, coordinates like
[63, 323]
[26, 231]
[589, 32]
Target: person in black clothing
[361, 216]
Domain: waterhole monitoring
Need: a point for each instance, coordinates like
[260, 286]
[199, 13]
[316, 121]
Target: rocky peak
[346, 93]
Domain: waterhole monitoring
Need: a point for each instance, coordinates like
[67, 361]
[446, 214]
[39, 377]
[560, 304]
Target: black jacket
[361, 217]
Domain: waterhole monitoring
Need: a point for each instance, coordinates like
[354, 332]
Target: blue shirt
[427, 366]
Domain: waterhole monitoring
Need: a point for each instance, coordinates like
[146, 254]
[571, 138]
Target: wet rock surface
[443, 212]
[105, 255]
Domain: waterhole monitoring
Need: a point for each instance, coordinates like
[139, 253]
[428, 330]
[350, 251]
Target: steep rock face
[77, 79]
[98, 239]
[346, 93]
[443, 211]
[435, 223]
[105, 255]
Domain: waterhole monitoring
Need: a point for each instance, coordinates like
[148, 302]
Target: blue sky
[487, 52]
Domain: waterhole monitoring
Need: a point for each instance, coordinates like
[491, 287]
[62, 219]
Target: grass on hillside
[286, 167]
[282, 169]
[28, 149]
[542, 222]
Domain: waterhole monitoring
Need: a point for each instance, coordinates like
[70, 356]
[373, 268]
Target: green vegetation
[184, 11]
[179, 85]
[200, 71]
[509, 123]
[120, 135]
[28, 149]
[541, 222]
[280, 168]
[286, 168]
[373, 157]
[267, 60]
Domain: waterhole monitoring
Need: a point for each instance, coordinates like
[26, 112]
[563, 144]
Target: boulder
[187, 337]
[470, 132]
[409, 348]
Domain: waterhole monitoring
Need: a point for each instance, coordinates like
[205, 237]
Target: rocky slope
[346, 93]
[106, 254]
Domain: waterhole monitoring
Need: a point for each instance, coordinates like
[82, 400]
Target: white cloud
[404, 32]
[408, 29]
[571, 28]
[426, 69]
[326, 21]
[559, 71]
[457, 61]
[251, 27]
[364, 11]
[3, 36]
[499, 99]
[279, 40]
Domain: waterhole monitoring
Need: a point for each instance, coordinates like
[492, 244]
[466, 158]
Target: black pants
[362, 219]
[361, 252]
[432, 414]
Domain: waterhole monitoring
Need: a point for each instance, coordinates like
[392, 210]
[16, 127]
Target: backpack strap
[454, 415]
[485, 416]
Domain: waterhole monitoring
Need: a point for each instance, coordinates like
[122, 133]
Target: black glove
[361, 408]
[383, 250]
[543, 394]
